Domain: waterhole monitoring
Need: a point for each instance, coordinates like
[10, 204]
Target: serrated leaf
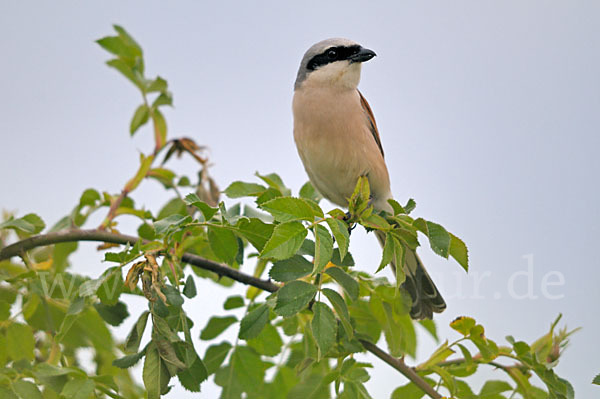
[155, 374]
[140, 118]
[388, 252]
[248, 369]
[494, 387]
[255, 231]
[463, 325]
[324, 327]
[26, 390]
[113, 315]
[78, 388]
[163, 225]
[30, 223]
[20, 341]
[348, 283]
[207, 211]
[253, 323]
[223, 243]
[216, 325]
[192, 377]
[341, 309]
[128, 361]
[215, 355]
[285, 241]
[240, 189]
[458, 250]
[323, 248]
[132, 343]
[340, 231]
[233, 302]
[290, 269]
[308, 191]
[160, 128]
[268, 342]
[287, 209]
[293, 297]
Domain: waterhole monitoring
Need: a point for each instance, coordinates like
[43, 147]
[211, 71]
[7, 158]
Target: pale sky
[489, 114]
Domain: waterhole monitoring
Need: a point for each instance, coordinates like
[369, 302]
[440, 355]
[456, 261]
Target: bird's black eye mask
[333, 54]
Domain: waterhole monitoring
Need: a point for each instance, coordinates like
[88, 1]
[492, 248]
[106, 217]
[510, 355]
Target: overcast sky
[489, 114]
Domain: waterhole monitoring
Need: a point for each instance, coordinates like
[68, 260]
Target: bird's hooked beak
[363, 55]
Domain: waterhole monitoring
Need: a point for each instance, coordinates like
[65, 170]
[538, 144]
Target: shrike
[337, 139]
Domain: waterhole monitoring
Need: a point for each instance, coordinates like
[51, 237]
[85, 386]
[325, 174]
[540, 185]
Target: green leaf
[111, 287]
[161, 326]
[248, 369]
[348, 283]
[26, 390]
[459, 251]
[287, 209]
[340, 231]
[216, 325]
[430, 326]
[140, 118]
[160, 127]
[255, 231]
[30, 223]
[314, 387]
[253, 323]
[113, 315]
[20, 341]
[233, 302]
[463, 325]
[155, 374]
[274, 181]
[240, 189]
[215, 355]
[268, 342]
[128, 361]
[293, 297]
[170, 222]
[290, 269]
[388, 252]
[78, 388]
[309, 192]
[440, 354]
[408, 391]
[223, 243]
[323, 247]
[132, 343]
[158, 84]
[4, 310]
[341, 310]
[410, 205]
[189, 289]
[596, 380]
[285, 241]
[127, 71]
[494, 387]
[439, 238]
[192, 377]
[207, 211]
[324, 327]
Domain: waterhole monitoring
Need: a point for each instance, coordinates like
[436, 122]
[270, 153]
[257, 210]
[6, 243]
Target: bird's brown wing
[372, 125]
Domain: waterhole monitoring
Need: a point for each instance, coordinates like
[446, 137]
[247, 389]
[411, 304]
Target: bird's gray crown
[316, 50]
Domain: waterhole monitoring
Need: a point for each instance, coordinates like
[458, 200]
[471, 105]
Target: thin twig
[104, 236]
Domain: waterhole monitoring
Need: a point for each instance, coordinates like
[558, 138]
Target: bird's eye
[332, 54]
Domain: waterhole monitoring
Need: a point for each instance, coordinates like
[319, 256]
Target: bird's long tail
[425, 296]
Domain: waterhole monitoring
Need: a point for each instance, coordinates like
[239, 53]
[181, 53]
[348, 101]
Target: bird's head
[332, 62]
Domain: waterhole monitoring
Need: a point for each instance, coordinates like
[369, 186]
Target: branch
[20, 247]
[399, 365]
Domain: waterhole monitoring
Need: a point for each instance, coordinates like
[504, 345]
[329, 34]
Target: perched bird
[337, 139]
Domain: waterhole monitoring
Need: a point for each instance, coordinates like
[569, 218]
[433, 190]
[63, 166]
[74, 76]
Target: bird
[338, 142]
